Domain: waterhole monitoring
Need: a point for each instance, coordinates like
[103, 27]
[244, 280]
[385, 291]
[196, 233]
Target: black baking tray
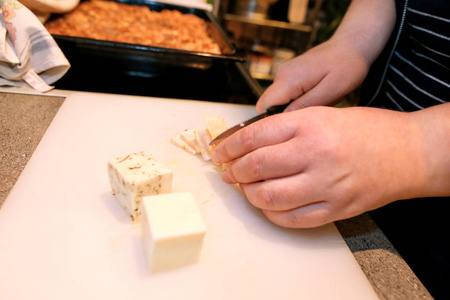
[148, 60]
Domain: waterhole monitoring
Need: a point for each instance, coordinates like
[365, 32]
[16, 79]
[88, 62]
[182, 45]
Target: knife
[269, 112]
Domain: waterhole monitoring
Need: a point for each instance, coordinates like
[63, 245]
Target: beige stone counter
[24, 119]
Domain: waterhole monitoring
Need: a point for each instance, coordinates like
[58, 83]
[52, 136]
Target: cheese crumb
[173, 231]
[137, 175]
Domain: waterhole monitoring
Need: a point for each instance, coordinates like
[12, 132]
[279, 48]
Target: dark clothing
[414, 70]
[413, 73]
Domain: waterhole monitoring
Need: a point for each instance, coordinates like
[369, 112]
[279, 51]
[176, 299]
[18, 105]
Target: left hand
[312, 166]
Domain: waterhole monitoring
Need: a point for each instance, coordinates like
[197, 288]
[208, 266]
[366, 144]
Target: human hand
[321, 76]
[312, 166]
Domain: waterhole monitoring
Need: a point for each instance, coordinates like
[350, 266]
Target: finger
[328, 91]
[309, 216]
[278, 93]
[291, 83]
[259, 134]
[282, 194]
[322, 94]
[268, 162]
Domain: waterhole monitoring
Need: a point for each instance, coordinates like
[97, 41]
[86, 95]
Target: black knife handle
[277, 109]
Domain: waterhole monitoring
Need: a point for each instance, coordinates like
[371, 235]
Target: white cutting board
[64, 236]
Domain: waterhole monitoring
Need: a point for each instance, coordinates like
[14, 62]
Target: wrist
[434, 128]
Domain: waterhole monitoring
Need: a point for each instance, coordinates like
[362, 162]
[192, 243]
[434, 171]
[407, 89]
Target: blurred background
[262, 34]
[273, 31]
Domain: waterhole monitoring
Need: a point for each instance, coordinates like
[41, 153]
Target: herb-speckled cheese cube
[137, 175]
[172, 231]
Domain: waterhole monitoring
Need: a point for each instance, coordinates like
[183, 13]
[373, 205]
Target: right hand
[321, 76]
[312, 166]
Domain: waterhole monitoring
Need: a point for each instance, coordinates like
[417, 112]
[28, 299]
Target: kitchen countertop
[24, 118]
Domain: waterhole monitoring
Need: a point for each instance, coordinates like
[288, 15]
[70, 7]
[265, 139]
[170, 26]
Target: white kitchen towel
[29, 56]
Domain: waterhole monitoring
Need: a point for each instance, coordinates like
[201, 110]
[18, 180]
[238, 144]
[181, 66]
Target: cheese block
[172, 231]
[137, 175]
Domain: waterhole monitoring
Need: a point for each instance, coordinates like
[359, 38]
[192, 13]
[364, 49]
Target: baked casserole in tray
[142, 35]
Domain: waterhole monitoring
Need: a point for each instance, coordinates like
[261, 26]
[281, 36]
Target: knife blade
[269, 112]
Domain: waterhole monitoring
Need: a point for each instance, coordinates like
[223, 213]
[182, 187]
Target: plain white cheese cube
[172, 230]
[137, 175]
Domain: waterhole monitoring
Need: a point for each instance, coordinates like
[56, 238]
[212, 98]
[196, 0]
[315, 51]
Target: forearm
[434, 127]
[367, 26]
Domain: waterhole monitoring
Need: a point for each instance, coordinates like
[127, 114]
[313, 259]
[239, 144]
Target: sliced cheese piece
[216, 125]
[189, 137]
[178, 141]
[203, 138]
[172, 231]
[137, 175]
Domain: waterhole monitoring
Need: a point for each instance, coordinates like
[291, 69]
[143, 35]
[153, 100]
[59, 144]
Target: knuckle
[314, 216]
[266, 199]
[292, 220]
[247, 137]
[222, 149]
[229, 174]
[254, 166]
[286, 219]
[223, 152]
[259, 196]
